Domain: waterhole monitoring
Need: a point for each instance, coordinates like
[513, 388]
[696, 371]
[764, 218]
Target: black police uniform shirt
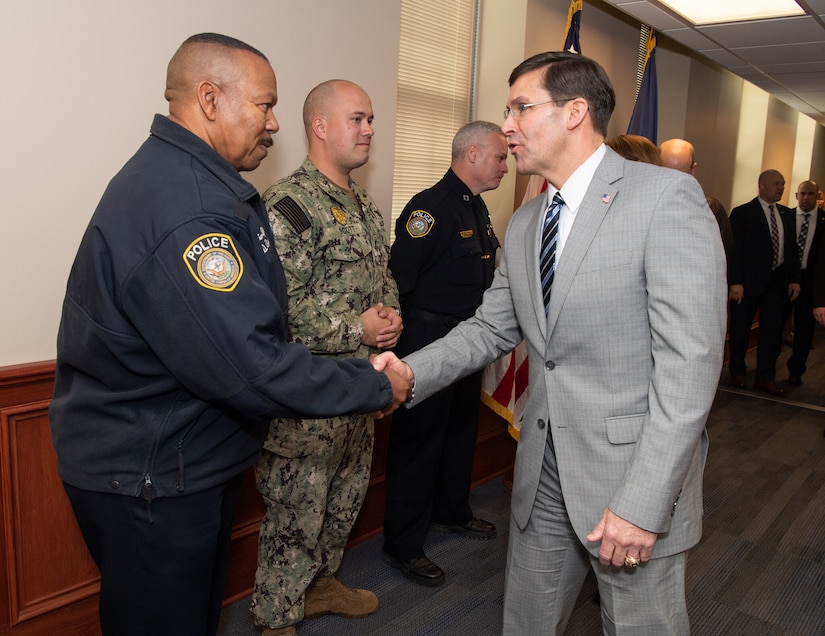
[443, 257]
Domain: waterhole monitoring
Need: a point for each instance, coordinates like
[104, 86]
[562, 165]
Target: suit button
[541, 425]
[115, 484]
[549, 365]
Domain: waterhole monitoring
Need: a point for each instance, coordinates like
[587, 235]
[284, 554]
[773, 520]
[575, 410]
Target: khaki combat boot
[326, 595]
[289, 630]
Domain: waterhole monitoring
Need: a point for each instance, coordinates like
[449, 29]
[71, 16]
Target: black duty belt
[430, 317]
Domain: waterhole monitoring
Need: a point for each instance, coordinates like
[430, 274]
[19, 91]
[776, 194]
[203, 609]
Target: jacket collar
[166, 130]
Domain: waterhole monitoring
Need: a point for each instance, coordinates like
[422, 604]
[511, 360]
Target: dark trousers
[803, 326]
[164, 577]
[430, 457]
[771, 306]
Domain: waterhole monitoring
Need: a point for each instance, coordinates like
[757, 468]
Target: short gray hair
[470, 133]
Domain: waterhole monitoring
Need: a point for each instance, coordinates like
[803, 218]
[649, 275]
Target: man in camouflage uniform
[314, 473]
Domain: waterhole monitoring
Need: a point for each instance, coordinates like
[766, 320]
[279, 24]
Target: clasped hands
[382, 326]
[401, 378]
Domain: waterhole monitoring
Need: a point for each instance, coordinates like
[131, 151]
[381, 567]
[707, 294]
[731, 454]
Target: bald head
[806, 195]
[679, 155]
[323, 99]
[338, 122]
[771, 185]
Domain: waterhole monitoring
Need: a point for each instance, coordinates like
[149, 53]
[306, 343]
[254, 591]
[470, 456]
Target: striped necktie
[774, 237]
[803, 237]
[547, 255]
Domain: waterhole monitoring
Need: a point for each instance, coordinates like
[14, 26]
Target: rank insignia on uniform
[338, 215]
[214, 262]
[420, 223]
[466, 233]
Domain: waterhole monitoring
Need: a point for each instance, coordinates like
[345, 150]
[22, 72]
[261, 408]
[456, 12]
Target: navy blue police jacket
[172, 352]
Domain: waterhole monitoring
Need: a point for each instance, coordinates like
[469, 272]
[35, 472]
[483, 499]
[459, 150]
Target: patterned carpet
[759, 570]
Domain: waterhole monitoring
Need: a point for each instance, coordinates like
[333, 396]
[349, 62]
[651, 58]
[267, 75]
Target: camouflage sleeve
[386, 289]
[323, 315]
[389, 291]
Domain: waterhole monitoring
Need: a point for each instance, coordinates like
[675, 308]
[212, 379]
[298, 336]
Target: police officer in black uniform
[442, 260]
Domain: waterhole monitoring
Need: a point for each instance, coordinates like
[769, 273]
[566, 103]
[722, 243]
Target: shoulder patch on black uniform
[420, 223]
[293, 213]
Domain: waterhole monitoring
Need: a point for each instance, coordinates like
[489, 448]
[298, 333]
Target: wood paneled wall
[48, 581]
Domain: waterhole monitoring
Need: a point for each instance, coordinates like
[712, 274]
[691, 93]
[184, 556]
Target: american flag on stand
[504, 382]
[504, 387]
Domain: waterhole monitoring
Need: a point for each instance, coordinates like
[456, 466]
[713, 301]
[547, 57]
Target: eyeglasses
[520, 109]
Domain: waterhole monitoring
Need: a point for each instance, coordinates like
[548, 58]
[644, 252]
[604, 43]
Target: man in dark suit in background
[818, 287]
[764, 271]
[809, 221]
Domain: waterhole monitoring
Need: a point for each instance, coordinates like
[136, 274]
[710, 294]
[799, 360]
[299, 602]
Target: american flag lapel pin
[605, 198]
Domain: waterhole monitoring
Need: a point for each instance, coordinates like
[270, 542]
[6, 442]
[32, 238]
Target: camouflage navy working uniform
[314, 473]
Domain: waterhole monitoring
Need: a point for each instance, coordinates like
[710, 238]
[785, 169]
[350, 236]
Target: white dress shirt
[573, 192]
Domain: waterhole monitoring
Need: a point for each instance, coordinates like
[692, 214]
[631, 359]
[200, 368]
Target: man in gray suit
[625, 352]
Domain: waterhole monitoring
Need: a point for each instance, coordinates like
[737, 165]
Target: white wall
[82, 81]
[498, 55]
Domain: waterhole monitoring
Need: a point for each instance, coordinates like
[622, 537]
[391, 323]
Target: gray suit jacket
[624, 368]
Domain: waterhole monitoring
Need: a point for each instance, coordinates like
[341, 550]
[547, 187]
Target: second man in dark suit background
[808, 221]
[764, 273]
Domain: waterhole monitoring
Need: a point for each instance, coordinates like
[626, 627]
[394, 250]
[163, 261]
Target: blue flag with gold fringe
[645, 118]
[574, 18]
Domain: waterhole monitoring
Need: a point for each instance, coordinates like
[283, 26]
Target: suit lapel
[601, 193]
[764, 223]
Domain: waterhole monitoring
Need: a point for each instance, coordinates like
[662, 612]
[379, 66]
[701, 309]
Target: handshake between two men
[401, 378]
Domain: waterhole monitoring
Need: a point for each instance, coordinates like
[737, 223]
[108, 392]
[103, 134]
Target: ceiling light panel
[718, 11]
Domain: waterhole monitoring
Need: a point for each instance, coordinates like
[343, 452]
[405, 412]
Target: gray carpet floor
[759, 570]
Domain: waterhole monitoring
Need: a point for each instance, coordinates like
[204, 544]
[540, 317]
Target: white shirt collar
[574, 189]
[765, 204]
[573, 192]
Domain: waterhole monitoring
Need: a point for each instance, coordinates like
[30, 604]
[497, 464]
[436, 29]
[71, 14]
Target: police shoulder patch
[214, 262]
[420, 223]
[293, 213]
